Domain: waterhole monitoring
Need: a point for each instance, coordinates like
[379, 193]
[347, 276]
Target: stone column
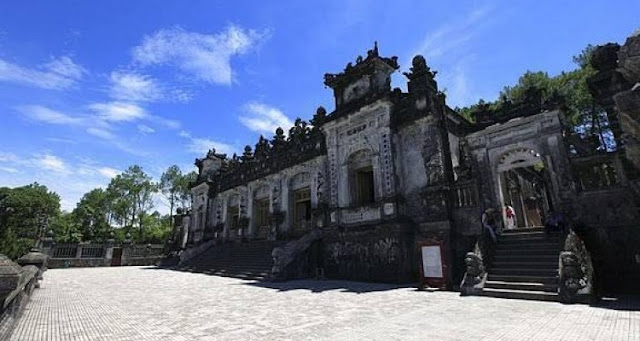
[377, 178]
[285, 197]
[249, 213]
[108, 249]
[314, 189]
[225, 218]
[79, 251]
[126, 250]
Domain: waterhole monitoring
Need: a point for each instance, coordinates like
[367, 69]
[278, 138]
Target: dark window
[365, 190]
[234, 214]
[262, 212]
[301, 208]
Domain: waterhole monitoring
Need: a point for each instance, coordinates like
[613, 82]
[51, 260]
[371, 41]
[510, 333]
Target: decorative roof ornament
[362, 67]
[420, 75]
[320, 117]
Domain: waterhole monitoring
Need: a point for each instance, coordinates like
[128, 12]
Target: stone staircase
[525, 266]
[250, 260]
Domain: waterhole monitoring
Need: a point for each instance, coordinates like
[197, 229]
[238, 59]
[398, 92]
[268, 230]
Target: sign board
[431, 261]
[433, 265]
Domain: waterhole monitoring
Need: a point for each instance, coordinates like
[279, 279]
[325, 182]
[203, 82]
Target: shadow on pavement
[622, 303]
[326, 285]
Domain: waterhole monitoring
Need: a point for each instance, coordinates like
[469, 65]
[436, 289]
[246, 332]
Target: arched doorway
[524, 189]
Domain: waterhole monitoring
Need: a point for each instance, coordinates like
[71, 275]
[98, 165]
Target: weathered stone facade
[387, 170]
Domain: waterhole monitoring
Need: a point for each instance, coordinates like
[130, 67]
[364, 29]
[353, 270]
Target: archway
[524, 188]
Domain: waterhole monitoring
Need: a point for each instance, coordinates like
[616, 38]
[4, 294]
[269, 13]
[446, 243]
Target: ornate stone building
[387, 170]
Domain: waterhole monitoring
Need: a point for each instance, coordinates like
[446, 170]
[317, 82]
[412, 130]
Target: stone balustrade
[107, 254]
[16, 285]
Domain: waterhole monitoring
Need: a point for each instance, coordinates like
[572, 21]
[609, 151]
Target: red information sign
[433, 268]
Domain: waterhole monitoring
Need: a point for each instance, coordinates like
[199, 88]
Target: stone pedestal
[36, 258]
[9, 277]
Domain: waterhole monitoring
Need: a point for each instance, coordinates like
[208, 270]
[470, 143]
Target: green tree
[157, 228]
[66, 229]
[24, 214]
[131, 194]
[185, 188]
[92, 214]
[171, 186]
[585, 117]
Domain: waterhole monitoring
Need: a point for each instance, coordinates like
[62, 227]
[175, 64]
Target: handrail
[284, 256]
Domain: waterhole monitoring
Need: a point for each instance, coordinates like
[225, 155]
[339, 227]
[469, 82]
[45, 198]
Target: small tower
[369, 77]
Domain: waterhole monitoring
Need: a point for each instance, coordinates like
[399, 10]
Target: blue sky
[89, 88]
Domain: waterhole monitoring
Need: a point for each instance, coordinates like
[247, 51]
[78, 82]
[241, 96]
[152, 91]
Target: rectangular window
[234, 214]
[301, 208]
[365, 190]
[262, 212]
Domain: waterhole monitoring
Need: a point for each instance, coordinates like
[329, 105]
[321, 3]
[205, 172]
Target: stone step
[527, 252]
[530, 241]
[230, 266]
[245, 271]
[526, 236]
[523, 279]
[521, 294]
[535, 257]
[523, 230]
[524, 272]
[549, 265]
[531, 247]
[526, 286]
[251, 260]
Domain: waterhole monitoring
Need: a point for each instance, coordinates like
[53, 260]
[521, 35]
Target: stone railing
[16, 285]
[465, 194]
[90, 255]
[289, 261]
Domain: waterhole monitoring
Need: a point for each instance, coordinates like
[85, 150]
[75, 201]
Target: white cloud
[134, 87]
[53, 163]
[207, 57]
[264, 119]
[65, 67]
[101, 133]
[450, 36]
[71, 181]
[108, 172]
[171, 124]
[200, 145]
[59, 73]
[145, 129]
[61, 140]
[449, 49]
[46, 115]
[9, 169]
[118, 111]
[7, 157]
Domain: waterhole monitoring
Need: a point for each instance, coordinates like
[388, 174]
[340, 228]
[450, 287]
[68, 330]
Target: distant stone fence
[107, 254]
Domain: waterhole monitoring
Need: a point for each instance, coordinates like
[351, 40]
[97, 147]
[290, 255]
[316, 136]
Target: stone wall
[381, 253]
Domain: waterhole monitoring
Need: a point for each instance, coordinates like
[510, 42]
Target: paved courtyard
[143, 303]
